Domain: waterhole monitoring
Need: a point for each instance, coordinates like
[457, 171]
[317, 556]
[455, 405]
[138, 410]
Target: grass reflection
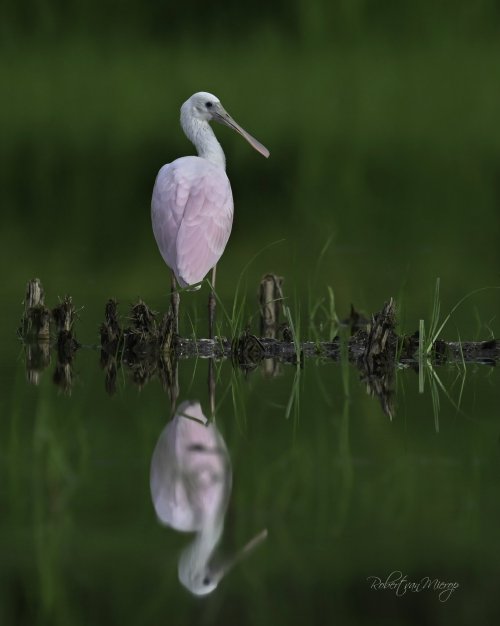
[314, 482]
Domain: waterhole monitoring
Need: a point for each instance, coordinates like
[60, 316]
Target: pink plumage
[192, 204]
[192, 215]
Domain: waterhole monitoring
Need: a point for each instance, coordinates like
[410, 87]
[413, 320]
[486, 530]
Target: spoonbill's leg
[211, 387]
[211, 307]
[170, 376]
[174, 302]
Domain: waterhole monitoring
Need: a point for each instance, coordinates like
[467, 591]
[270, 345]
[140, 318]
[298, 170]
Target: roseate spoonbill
[190, 481]
[192, 203]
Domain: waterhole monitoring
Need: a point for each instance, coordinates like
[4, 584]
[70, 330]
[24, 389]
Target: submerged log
[149, 346]
[377, 364]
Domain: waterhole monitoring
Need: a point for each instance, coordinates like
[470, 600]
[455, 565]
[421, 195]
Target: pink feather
[192, 215]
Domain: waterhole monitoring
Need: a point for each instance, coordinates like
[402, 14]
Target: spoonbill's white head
[201, 105]
[205, 107]
[201, 577]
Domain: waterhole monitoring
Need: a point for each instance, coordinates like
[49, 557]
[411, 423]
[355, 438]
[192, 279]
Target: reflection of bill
[400, 585]
[190, 482]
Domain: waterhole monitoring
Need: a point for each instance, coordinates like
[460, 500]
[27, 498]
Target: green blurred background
[382, 122]
[381, 118]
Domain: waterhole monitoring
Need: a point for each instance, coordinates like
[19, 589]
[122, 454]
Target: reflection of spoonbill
[192, 204]
[190, 484]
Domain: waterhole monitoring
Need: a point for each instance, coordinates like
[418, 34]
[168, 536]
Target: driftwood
[35, 323]
[35, 331]
[149, 346]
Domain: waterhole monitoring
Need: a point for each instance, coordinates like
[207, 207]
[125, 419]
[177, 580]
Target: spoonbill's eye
[206, 580]
[208, 105]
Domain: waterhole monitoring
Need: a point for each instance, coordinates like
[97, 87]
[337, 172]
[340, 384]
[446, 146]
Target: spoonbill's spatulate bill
[192, 204]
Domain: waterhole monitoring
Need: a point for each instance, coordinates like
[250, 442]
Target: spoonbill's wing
[192, 214]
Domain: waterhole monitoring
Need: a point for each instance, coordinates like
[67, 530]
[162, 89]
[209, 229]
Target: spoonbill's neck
[207, 539]
[196, 557]
[200, 133]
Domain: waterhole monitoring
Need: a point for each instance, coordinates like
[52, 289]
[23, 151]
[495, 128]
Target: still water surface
[114, 511]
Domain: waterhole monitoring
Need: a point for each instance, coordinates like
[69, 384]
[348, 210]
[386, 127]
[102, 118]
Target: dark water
[347, 496]
[393, 185]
